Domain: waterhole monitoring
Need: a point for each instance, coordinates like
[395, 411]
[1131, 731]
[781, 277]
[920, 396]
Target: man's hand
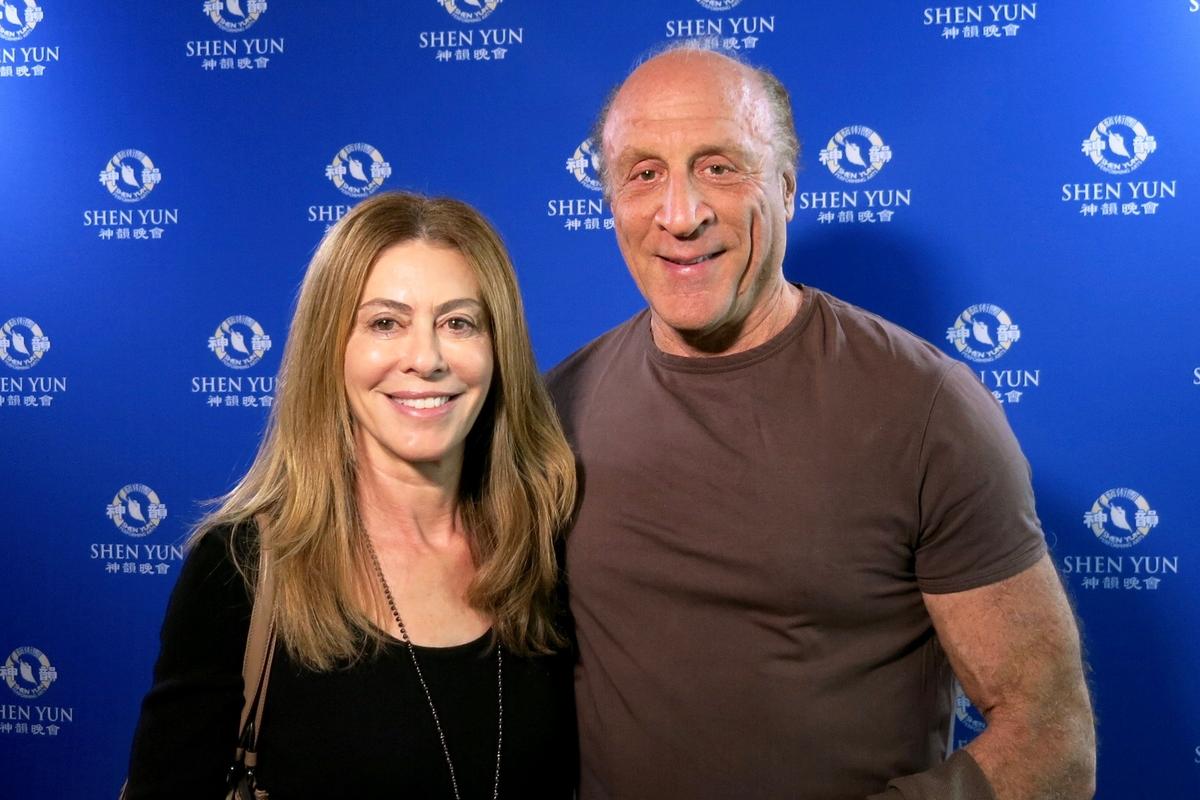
[1015, 648]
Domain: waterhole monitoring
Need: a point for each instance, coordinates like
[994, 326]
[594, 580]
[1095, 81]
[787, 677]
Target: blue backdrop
[1016, 182]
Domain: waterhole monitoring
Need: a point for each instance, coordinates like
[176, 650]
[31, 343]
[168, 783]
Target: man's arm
[1015, 648]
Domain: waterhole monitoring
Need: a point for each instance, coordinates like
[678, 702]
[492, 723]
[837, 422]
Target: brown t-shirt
[756, 530]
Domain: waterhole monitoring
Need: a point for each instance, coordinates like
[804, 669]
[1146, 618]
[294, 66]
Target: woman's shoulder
[188, 724]
[233, 542]
[220, 564]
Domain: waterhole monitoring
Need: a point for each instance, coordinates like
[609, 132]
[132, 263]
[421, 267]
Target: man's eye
[646, 175]
[719, 169]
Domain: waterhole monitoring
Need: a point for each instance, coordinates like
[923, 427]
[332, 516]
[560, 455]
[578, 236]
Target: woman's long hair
[518, 482]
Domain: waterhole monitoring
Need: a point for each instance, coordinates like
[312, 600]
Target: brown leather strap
[260, 648]
[256, 661]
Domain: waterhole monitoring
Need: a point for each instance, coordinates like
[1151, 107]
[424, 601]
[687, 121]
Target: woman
[412, 477]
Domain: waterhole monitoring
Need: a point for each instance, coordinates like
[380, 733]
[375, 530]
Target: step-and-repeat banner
[1015, 182]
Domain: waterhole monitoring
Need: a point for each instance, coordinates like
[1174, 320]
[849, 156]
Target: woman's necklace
[387, 593]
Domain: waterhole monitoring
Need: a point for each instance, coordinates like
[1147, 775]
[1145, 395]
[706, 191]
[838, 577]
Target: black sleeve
[187, 733]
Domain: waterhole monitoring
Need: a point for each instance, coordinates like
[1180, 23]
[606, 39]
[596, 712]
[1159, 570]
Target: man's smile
[689, 261]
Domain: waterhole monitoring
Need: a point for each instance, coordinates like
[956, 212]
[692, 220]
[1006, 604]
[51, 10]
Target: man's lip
[690, 260]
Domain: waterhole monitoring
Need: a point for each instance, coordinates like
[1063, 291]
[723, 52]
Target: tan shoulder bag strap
[256, 661]
[260, 652]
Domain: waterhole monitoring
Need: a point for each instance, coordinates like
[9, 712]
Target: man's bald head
[702, 184]
[707, 65]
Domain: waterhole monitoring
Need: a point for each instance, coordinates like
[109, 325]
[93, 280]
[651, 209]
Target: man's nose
[684, 211]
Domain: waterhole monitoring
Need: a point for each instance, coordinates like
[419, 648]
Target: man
[796, 517]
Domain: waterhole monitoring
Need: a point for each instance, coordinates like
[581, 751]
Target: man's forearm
[1015, 648]
[1050, 757]
[1042, 752]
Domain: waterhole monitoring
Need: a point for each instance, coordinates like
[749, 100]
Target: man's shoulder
[878, 344]
[594, 356]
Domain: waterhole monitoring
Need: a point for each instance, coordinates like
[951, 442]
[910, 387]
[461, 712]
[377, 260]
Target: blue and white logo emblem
[983, 333]
[461, 9]
[1121, 518]
[358, 170]
[229, 15]
[1119, 145]
[718, 5]
[965, 712]
[22, 343]
[239, 342]
[584, 164]
[136, 510]
[28, 672]
[855, 154]
[130, 175]
[16, 22]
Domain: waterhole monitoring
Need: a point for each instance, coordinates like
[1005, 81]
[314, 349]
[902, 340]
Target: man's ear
[789, 192]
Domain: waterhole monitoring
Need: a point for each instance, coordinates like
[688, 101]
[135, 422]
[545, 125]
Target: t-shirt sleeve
[187, 733]
[978, 524]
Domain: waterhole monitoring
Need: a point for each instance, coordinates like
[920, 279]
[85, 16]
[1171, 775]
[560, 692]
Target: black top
[361, 731]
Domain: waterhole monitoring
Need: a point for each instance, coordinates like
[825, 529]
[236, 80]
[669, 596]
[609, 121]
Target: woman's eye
[383, 325]
[460, 324]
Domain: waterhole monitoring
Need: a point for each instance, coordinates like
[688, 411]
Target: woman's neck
[399, 504]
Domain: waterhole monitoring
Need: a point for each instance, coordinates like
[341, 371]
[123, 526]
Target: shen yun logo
[461, 9]
[18, 20]
[855, 154]
[983, 333]
[136, 510]
[358, 170]
[1119, 145]
[584, 164]
[28, 672]
[229, 15]
[239, 342]
[719, 5]
[130, 175]
[22, 343]
[965, 712]
[1121, 518]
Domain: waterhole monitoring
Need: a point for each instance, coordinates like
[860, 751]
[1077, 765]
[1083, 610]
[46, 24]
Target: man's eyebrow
[634, 155]
[404, 308]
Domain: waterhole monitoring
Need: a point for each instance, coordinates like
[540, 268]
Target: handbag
[241, 781]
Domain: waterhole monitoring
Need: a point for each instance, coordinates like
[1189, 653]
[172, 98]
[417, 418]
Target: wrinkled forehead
[685, 93]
